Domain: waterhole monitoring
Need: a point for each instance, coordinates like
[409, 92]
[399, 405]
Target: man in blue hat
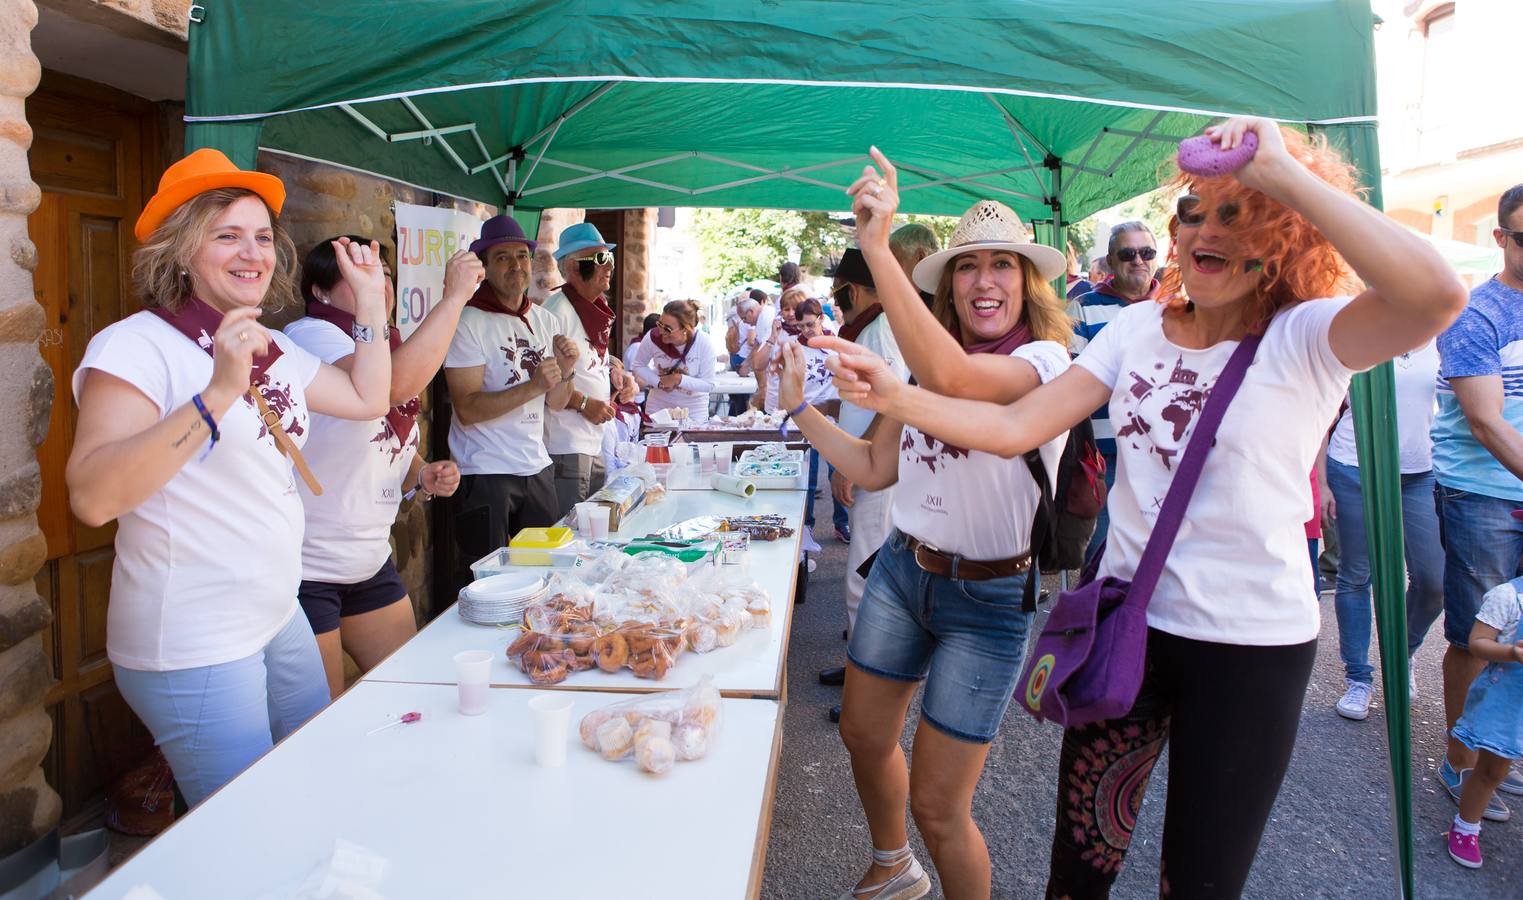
[574, 435]
[507, 363]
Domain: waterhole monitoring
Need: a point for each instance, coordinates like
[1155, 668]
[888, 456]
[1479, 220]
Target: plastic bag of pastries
[657, 730]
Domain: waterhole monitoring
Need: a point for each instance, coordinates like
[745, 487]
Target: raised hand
[360, 265]
[462, 275]
[861, 376]
[1270, 162]
[628, 388]
[790, 384]
[875, 198]
[566, 353]
[548, 375]
[238, 340]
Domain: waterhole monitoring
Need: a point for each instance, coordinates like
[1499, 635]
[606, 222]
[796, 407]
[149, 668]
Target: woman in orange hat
[191, 415]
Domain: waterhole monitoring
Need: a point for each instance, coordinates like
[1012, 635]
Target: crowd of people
[232, 454]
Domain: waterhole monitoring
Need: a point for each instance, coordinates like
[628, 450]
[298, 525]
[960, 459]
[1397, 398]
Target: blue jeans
[965, 639]
[1103, 524]
[1483, 547]
[1425, 566]
[838, 513]
[212, 722]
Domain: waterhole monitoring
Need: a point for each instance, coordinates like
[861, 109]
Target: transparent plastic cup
[473, 675]
[552, 723]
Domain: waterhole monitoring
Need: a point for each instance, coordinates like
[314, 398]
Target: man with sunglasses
[1478, 467]
[574, 435]
[1130, 257]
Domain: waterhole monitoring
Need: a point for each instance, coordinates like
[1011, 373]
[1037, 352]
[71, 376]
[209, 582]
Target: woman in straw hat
[1232, 625]
[191, 415]
[350, 590]
[946, 601]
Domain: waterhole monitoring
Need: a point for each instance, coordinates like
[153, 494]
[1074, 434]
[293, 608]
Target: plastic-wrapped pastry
[657, 729]
[589, 727]
[691, 742]
[656, 755]
[615, 739]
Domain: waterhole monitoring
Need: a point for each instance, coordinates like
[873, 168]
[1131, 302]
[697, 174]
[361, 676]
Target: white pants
[870, 524]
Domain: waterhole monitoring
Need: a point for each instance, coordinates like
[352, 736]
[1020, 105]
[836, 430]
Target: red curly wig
[1298, 262]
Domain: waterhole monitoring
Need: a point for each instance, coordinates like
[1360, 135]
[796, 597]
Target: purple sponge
[1199, 156]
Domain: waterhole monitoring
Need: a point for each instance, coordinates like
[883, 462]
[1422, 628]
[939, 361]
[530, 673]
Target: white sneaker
[1411, 685]
[1356, 701]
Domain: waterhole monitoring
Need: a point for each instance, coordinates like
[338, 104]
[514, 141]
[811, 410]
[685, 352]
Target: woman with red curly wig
[1233, 622]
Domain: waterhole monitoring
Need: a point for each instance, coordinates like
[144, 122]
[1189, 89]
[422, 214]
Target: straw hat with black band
[989, 225]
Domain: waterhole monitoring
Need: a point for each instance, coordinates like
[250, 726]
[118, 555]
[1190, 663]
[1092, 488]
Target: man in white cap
[574, 435]
[507, 363]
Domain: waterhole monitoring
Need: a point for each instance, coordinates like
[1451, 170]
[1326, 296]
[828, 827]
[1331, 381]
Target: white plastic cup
[585, 512]
[473, 675]
[723, 453]
[552, 722]
[596, 528]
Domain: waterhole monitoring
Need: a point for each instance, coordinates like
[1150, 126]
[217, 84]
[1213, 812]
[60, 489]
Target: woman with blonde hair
[946, 602]
[1262, 258]
[190, 416]
[675, 363]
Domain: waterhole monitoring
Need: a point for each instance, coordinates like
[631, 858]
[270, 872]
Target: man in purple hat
[507, 363]
[574, 435]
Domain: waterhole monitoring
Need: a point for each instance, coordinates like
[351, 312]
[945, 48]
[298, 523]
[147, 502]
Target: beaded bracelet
[206, 416]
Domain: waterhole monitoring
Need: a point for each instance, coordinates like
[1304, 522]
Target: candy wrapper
[657, 730]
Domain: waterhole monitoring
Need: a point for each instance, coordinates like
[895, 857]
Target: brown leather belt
[950, 565]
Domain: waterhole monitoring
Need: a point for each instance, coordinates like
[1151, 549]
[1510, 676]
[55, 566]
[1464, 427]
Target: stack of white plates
[500, 599]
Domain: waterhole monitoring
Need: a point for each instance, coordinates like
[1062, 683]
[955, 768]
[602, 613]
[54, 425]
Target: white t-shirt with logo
[361, 466]
[207, 567]
[1238, 572]
[511, 351]
[1416, 404]
[567, 430]
[878, 338]
[968, 502]
[819, 384]
[693, 392]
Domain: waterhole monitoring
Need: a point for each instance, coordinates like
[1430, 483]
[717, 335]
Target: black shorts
[325, 603]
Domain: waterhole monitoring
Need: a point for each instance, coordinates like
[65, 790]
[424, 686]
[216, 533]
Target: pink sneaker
[1465, 849]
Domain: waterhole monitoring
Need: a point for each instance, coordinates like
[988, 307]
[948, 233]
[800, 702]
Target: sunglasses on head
[1191, 214]
[1517, 236]
[1127, 254]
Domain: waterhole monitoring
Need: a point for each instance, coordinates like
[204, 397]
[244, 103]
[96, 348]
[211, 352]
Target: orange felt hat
[204, 170]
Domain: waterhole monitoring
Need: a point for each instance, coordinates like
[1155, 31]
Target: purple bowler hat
[501, 230]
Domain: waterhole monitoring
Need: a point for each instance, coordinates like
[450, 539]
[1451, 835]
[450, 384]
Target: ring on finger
[243, 336]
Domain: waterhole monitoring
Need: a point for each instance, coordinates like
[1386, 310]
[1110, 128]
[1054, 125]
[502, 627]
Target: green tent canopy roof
[684, 103]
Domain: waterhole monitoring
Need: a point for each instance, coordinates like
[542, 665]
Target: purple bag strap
[1166, 529]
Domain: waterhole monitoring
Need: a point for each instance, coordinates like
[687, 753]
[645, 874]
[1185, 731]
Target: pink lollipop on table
[1199, 155]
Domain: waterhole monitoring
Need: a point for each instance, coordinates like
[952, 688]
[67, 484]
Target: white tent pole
[1018, 131]
[1144, 135]
[443, 143]
[550, 131]
[401, 136]
[365, 123]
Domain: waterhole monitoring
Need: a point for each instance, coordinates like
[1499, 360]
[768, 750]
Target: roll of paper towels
[734, 484]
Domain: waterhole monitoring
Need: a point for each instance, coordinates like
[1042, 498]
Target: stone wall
[322, 201]
[29, 808]
[546, 276]
[639, 239]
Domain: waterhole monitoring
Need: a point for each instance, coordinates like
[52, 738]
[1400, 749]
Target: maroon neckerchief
[399, 417]
[596, 316]
[669, 350]
[1017, 336]
[1109, 290]
[199, 321]
[856, 326]
[485, 299]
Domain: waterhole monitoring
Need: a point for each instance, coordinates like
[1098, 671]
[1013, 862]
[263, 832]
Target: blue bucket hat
[579, 237]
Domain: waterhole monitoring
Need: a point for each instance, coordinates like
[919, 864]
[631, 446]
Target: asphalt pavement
[1329, 836]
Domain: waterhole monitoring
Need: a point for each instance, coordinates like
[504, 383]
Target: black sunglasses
[1188, 210]
[1127, 254]
[1517, 236]
[665, 328]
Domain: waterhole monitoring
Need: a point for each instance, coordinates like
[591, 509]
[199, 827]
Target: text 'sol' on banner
[426, 238]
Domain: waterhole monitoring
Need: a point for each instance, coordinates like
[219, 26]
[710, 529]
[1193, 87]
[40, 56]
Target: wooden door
[89, 151]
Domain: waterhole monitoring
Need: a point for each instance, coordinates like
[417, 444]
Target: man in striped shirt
[1131, 256]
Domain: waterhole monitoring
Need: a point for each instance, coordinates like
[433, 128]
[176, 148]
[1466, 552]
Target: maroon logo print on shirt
[1158, 413]
[389, 442]
[922, 449]
[278, 396]
[815, 371]
[524, 357]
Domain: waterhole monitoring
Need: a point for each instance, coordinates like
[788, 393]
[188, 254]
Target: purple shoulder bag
[1087, 664]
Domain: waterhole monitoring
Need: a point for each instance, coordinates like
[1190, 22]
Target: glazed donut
[611, 651]
[703, 638]
[643, 665]
[691, 742]
[641, 640]
[581, 643]
[525, 643]
[615, 739]
[589, 727]
[550, 671]
[656, 755]
[579, 662]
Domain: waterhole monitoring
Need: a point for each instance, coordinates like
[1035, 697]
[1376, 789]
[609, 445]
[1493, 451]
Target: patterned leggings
[1229, 713]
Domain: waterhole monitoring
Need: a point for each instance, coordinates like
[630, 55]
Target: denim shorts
[325, 602]
[1492, 719]
[1483, 547]
[965, 639]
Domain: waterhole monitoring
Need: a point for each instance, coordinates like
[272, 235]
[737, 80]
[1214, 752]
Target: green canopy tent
[1056, 109]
